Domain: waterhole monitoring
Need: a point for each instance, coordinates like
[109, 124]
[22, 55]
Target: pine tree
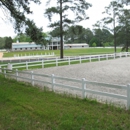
[78, 7]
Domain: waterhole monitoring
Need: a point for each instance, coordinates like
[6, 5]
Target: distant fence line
[66, 60]
[26, 55]
[82, 87]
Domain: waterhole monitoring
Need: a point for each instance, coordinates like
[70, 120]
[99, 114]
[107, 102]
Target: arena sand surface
[116, 71]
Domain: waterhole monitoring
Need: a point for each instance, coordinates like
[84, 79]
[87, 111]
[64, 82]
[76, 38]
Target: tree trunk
[114, 30]
[61, 32]
[127, 41]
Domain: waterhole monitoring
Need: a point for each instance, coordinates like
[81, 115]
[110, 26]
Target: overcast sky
[94, 13]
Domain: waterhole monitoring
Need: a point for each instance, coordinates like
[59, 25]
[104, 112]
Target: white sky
[94, 13]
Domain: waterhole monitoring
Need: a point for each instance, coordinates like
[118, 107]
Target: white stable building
[54, 44]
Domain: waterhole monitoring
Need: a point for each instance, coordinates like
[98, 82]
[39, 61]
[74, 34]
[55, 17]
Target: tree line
[75, 34]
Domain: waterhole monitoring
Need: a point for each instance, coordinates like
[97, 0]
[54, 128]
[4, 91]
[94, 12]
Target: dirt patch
[1, 54]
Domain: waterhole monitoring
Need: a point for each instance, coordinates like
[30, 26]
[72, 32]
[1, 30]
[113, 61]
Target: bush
[94, 44]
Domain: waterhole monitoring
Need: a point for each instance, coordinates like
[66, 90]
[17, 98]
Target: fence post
[80, 59]
[16, 74]
[32, 78]
[126, 54]
[5, 72]
[114, 55]
[69, 60]
[90, 59]
[83, 88]
[120, 54]
[106, 56]
[56, 62]
[26, 65]
[53, 82]
[128, 96]
[42, 63]
[99, 58]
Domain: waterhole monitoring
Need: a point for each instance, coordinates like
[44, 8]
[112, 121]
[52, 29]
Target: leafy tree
[22, 37]
[98, 35]
[17, 11]
[126, 2]
[35, 33]
[124, 29]
[8, 43]
[55, 32]
[106, 44]
[75, 34]
[94, 44]
[88, 34]
[2, 42]
[94, 40]
[78, 7]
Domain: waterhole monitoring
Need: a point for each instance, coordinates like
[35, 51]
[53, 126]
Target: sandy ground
[1, 54]
[110, 71]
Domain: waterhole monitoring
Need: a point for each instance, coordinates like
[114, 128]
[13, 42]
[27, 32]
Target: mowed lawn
[68, 52]
[23, 107]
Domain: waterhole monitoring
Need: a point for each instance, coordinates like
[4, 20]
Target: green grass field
[69, 52]
[23, 107]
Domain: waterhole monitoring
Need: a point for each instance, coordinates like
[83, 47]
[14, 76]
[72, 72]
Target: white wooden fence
[82, 87]
[33, 55]
[66, 60]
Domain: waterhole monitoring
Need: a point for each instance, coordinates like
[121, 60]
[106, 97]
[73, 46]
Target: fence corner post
[83, 88]
[128, 96]
[16, 74]
[32, 78]
[53, 82]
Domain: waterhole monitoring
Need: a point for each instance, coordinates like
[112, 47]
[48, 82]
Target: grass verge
[23, 107]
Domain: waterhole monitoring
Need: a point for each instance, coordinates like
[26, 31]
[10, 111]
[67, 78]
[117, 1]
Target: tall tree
[88, 35]
[78, 7]
[113, 11]
[75, 34]
[103, 36]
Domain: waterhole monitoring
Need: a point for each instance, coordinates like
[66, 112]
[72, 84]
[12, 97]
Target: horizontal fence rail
[67, 61]
[81, 87]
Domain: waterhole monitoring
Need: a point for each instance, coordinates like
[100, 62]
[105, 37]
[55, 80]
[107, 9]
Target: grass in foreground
[23, 107]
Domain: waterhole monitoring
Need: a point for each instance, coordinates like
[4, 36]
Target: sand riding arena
[116, 71]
